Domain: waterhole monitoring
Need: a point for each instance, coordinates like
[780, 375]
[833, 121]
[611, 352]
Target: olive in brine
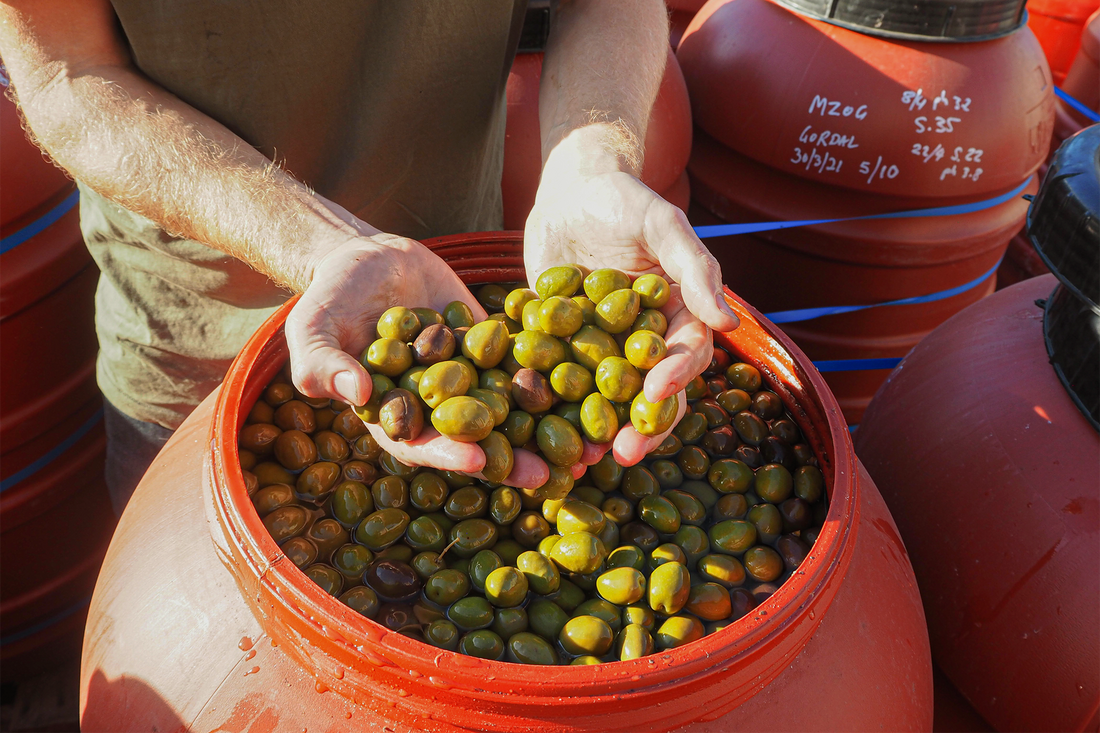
[744, 377]
[316, 482]
[621, 585]
[362, 600]
[286, 522]
[732, 537]
[326, 577]
[327, 534]
[506, 587]
[443, 634]
[300, 551]
[504, 505]
[808, 483]
[295, 450]
[669, 586]
[471, 536]
[295, 415]
[709, 601]
[659, 513]
[270, 498]
[633, 642]
[542, 575]
[639, 534]
[352, 561]
[381, 528]
[773, 483]
[586, 635]
[763, 564]
[677, 631]
[725, 570]
[579, 552]
[527, 648]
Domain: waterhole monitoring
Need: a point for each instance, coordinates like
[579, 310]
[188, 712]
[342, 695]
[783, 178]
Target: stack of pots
[985, 444]
[55, 514]
[800, 118]
[199, 622]
[1058, 25]
[667, 141]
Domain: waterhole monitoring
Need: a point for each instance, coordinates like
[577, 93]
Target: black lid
[1064, 219]
[1072, 331]
[918, 20]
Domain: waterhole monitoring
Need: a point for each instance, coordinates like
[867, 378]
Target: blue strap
[720, 230]
[47, 622]
[39, 225]
[856, 365]
[1080, 107]
[54, 453]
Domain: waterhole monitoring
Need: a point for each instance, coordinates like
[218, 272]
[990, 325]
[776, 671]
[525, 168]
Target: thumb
[320, 368]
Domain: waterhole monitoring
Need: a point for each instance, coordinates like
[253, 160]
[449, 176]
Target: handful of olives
[628, 562]
[548, 367]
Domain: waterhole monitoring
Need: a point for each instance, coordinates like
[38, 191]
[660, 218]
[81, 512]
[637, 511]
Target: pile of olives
[626, 562]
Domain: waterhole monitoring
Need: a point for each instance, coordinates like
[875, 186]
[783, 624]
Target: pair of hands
[605, 219]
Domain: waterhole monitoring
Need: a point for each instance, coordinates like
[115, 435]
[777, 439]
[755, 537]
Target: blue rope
[39, 225]
[54, 453]
[47, 622]
[856, 365]
[1088, 113]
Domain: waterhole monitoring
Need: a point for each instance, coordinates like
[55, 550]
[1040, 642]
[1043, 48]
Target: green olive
[302, 552]
[327, 577]
[617, 509]
[591, 345]
[709, 601]
[443, 381]
[443, 634]
[732, 537]
[362, 600]
[423, 534]
[559, 441]
[470, 613]
[380, 385]
[504, 505]
[609, 535]
[496, 380]
[513, 304]
[744, 377]
[668, 552]
[499, 458]
[546, 544]
[809, 483]
[585, 660]
[426, 563]
[560, 316]
[570, 411]
[464, 419]
[506, 587]
[469, 502]
[768, 522]
[618, 380]
[773, 483]
[601, 609]
[651, 320]
[352, 561]
[677, 631]
[713, 412]
[381, 528]
[507, 622]
[693, 541]
[539, 351]
[458, 315]
[470, 536]
[641, 614]
[388, 356]
[398, 323]
[427, 317]
[427, 492]
[481, 564]
[616, 311]
[601, 283]
[498, 404]
[559, 484]
[529, 529]
[529, 319]
[653, 289]
[639, 482]
[669, 586]
[722, 569]
[626, 556]
[483, 644]
[659, 513]
[316, 482]
[588, 309]
[579, 552]
[734, 400]
[365, 447]
[518, 427]
[633, 642]
[446, 587]
[528, 648]
[730, 506]
[586, 635]
[569, 596]
[650, 418]
[606, 474]
[730, 476]
[696, 388]
[644, 349]
[486, 343]
[694, 462]
[623, 585]
[390, 492]
[542, 575]
[763, 564]
[564, 280]
[546, 619]
[580, 516]
[599, 421]
[750, 428]
[571, 382]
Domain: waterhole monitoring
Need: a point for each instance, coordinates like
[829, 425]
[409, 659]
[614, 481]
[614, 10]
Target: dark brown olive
[721, 441]
[767, 405]
[693, 461]
[741, 602]
[529, 529]
[719, 362]
[259, 438]
[640, 535]
[715, 415]
[793, 550]
[360, 471]
[286, 522]
[331, 447]
[316, 482]
[435, 343]
[774, 450]
[348, 425]
[324, 418]
[365, 448]
[261, 412]
[401, 415]
[269, 472]
[730, 506]
[327, 534]
[786, 431]
[397, 616]
[277, 393]
[796, 514]
[531, 391]
[300, 551]
[270, 498]
[804, 454]
[734, 401]
[717, 385]
[393, 581]
[295, 450]
[251, 483]
[295, 415]
[749, 456]
[750, 428]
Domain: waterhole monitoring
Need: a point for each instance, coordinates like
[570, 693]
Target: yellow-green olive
[388, 356]
[564, 280]
[599, 420]
[463, 419]
[458, 315]
[560, 316]
[650, 418]
[633, 642]
[486, 343]
[651, 320]
[617, 379]
[621, 586]
[398, 323]
[498, 457]
[559, 441]
[591, 345]
[571, 381]
[617, 310]
[653, 289]
[644, 349]
[669, 586]
[539, 351]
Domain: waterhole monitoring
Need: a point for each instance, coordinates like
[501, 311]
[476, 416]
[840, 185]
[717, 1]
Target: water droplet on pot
[251, 653]
[402, 693]
[244, 644]
[320, 686]
[414, 673]
[339, 673]
[254, 670]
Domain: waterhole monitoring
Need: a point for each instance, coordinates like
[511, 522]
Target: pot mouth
[366, 662]
[943, 21]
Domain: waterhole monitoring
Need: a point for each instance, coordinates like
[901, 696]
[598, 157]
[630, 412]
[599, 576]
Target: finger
[319, 367]
[528, 470]
[690, 346]
[689, 263]
[432, 449]
[630, 446]
[593, 452]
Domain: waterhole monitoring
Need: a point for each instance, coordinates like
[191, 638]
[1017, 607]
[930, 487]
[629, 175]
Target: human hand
[597, 215]
[352, 285]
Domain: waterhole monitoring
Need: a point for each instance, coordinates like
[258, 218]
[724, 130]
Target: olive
[394, 581]
[398, 323]
[483, 644]
[691, 428]
[653, 289]
[300, 551]
[742, 601]
[808, 483]
[388, 356]
[774, 450]
[677, 631]
[269, 472]
[527, 648]
[559, 441]
[616, 311]
[604, 281]
[294, 450]
[270, 498]
[580, 516]
[722, 569]
[559, 484]
[641, 614]
[261, 412]
[793, 550]
[390, 492]
[591, 345]
[579, 552]
[693, 541]
[569, 596]
[796, 513]
[442, 381]
[504, 505]
[458, 315]
[586, 635]
[286, 522]
[804, 455]
[499, 458]
[694, 462]
[446, 586]
[730, 506]
[464, 419]
[518, 427]
[667, 473]
[721, 441]
[564, 280]
[277, 393]
[529, 529]
[506, 587]
[659, 513]
[730, 476]
[427, 317]
[327, 534]
[295, 415]
[609, 535]
[618, 380]
[571, 382]
[498, 404]
[650, 418]
[365, 448]
[644, 349]
[470, 613]
[362, 600]
[541, 574]
[539, 351]
[763, 564]
[481, 564]
[331, 447]
[749, 456]
[470, 536]
[650, 319]
[513, 304]
[424, 533]
[639, 482]
[400, 415]
[442, 634]
[669, 586]
[507, 622]
[486, 343]
[248, 461]
[529, 319]
[732, 537]
[767, 405]
[316, 482]
[668, 552]
[546, 619]
[560, 316]
[750, 428]
[380, 385]
[546, 544]
[570, 411]
[492, 297]
[764, 591]
[352, 561]
[426, 563]
[702, 491]
[601, 609]
[670, 446]
[621, 585]
[773, 483]
[606, 474]
[696, 388]
[734, 400]
[716, 416]
[381, 528]
[639, 534]
[588, 309]
[744, 376]
[626, 556]
[709, 601]
[617, 509]
[531, 391]
[468, 365]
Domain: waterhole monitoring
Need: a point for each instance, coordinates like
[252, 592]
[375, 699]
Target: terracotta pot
[1058, 25]
[29, 184]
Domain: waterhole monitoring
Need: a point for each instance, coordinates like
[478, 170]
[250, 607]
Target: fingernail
[724, 306]
[346, 387]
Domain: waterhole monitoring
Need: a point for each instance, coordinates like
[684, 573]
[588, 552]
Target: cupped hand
[335, 318]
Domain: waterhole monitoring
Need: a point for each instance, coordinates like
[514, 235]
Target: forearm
[600, 76]
[139, 145]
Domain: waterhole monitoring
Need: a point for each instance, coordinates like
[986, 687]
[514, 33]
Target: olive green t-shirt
[392, 108]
